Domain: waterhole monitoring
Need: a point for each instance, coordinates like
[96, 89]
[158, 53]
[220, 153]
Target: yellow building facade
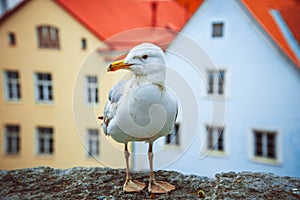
[50, 95]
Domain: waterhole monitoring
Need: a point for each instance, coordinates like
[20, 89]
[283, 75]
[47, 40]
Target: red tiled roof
[190, 5]
[106, 18]
[128, 39]
[261, 11]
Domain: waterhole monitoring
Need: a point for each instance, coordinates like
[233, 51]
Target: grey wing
[116, 92]
[114, 96]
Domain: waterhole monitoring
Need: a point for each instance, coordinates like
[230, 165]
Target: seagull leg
[131, 185]
[157, 187]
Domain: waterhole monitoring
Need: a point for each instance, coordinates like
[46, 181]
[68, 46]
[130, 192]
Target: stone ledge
[106, 183]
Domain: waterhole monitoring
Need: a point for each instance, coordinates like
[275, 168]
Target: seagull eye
[145, 57]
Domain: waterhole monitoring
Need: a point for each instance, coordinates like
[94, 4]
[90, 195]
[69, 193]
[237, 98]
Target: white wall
[263, 92]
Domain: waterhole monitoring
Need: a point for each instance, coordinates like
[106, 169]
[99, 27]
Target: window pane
[50, 96]
[51, 145]
[215, 138]
[41, 145]
[210, 83]
[168, 139]
[271, 150]
[220, 139]
[217, 29]
[12, 85]
[83, 43]
[44, 87]
[221, 82]
[265, 144]
[93, 142]
[92, 89]
[40, 91]
[12, 38]
[173, 137]
[45, 140]
[210, 138]
[8, 144]
[12, 139]
[216, 82]
[258, 144]
[45, 39]
[48, 37]
[18, 91]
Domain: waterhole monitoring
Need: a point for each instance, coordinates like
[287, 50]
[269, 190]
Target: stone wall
[105, 183]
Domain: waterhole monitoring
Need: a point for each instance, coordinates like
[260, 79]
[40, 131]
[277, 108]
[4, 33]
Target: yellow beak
[114, 66]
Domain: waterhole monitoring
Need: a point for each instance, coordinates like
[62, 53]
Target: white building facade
[239, 96]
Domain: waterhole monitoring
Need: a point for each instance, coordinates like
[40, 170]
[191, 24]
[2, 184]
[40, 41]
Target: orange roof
[289, 10]
[106, 18]
[190, 5]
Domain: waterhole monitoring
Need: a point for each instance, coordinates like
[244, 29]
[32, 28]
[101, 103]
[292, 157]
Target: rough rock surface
[105, 183]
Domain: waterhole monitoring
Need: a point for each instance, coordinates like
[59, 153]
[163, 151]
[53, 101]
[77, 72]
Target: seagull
[141, 108]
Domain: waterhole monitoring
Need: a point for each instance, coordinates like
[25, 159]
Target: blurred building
[234, 67]
[244, 69]
[6, 5]
[52, 54]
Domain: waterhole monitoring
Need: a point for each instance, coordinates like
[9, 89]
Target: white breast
[146, 112]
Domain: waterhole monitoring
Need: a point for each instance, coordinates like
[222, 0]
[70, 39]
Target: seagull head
[143, 60]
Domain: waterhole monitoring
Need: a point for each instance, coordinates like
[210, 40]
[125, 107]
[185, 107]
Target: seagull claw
[160, 187]
[133, 186]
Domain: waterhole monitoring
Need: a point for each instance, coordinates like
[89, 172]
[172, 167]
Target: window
[92, 89]
[12, 85]
[12, 139]
[83, 44]
[45, 142]
[93, 142]
[44, 87]
[12, 39]
[216, 82]
[173, 137]
[48, 37]
[215, 138]
[265, 144]
[217, 29]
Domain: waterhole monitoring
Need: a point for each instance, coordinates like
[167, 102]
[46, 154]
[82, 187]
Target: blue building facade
[239, 94]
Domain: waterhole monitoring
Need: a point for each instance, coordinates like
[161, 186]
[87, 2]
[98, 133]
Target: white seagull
[141, 108]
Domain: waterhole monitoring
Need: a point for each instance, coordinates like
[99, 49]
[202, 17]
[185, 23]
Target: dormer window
[217, 29]
[48, 37]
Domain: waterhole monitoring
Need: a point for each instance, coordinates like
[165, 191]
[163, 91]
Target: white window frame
[16, 140]
[92, 90]
[205, 150]
[16, 86]
[265, 159]
[47, 136]
[221, 32]
[216, 81]
[93, 142]
[45, 84]
[213, 138]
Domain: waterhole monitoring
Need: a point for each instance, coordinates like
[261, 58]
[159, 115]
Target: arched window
[48, 37]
